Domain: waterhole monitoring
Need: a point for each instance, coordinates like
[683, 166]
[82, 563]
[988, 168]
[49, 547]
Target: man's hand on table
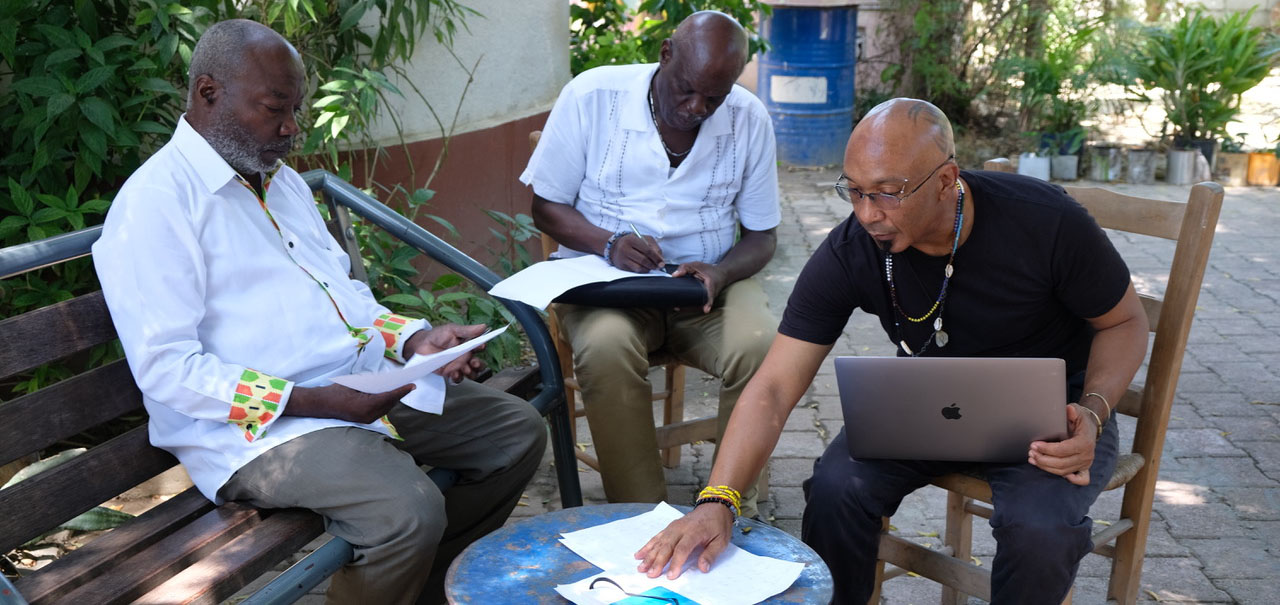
[636, 254]
[708, 527]
[441, 337]
[1071, 457]
[713, 278]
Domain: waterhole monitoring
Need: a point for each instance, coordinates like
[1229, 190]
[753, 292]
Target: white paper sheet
[736, 577]
[542, 282]
[429, 394]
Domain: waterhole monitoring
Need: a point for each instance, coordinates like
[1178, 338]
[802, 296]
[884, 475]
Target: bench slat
[44, 501]
[132, 578]
[55, 580]
[67, 408]
[222, 573]
[60, 330]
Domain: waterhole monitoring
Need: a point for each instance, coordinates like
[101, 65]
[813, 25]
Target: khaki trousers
[610, 359]
[372, 493]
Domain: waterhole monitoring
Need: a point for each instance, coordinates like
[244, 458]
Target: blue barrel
[806, 81]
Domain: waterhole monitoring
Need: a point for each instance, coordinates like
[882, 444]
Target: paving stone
[1178, 579]
[788, 502]
[1224, 403]
[1239, 429]
[1235, 558]
[1250, 592]
[1252, 503]
[1204, 520]
[1214, 472]
[802, 418]
[789, 472]
[1206, 442]
[1267, 455]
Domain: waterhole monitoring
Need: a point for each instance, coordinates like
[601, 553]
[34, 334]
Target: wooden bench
[185, 550]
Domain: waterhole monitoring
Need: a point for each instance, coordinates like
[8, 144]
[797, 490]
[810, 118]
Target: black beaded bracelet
[725, 501]
[608, 246]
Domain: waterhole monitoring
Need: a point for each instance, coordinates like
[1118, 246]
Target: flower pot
[1104, 164]
[1207, 147]
[1233, 168]
[1181, 169]
[1142, 167]
[1034, 165]
[1264, 169]
[1065, 167]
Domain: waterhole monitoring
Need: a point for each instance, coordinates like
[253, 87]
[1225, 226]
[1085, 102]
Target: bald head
[226, 48]
[907, 128]
[712, 44]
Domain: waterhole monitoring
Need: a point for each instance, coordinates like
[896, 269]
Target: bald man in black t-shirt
[954, 263]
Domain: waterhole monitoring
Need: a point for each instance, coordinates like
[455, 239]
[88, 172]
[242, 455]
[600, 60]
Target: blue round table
[523, 562]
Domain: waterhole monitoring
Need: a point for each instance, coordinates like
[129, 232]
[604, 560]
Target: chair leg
[959, 536]
[875, 594]
[673, 409]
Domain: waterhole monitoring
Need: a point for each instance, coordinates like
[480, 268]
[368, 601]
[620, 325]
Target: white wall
[523, 49]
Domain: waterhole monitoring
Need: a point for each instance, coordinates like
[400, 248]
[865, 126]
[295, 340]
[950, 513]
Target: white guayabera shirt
[601, 152]
[225, 301]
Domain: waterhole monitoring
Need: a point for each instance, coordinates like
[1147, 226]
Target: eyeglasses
[884, 201]
[631, 595]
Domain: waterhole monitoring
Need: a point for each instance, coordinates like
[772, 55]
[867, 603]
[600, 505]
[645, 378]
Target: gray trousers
[372, 493]
[610, 359]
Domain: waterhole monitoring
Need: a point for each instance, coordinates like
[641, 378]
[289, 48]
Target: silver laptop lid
[951, 408]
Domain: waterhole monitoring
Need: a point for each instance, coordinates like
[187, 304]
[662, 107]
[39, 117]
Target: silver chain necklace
[653, 114]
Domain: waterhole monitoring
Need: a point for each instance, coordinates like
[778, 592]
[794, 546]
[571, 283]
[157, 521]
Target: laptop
[951, 408]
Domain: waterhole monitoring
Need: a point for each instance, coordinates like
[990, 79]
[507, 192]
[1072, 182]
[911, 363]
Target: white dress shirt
[223, 306]
[601, 152]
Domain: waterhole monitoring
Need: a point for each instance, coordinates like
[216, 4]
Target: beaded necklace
[939, 336]
[653, 114]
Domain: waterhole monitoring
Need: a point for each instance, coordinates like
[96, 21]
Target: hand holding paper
[428, 396]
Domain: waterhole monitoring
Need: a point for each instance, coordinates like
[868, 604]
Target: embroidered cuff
[256, 403]
[396, 329]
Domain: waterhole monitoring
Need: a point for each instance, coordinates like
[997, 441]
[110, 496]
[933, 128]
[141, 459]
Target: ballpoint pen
[637, 232]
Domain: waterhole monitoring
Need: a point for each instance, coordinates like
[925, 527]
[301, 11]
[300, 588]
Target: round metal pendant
[941, 338]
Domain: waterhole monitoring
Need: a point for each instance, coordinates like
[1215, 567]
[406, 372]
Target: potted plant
[1056, 91]
[1264, 166]
[1203, 65]
[1233, 162]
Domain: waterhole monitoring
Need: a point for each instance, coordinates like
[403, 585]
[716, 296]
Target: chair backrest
[1191, 225]
[549, 244]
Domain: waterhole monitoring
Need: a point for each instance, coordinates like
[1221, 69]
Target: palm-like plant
[1203, 64]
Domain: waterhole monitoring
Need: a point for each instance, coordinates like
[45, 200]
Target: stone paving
[1215, 534]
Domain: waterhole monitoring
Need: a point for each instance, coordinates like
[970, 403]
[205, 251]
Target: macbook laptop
[951, 408]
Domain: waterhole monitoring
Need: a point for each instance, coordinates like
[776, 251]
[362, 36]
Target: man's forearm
[752, 252]
[1118, 349]
[568, 226]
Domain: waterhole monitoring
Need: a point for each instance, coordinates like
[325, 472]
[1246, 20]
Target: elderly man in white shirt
[679, 153]
[234, 307]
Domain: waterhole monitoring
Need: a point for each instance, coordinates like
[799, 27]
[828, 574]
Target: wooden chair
[1191, 225]
[675, 430]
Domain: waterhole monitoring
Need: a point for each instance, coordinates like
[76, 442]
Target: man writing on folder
[654, 164]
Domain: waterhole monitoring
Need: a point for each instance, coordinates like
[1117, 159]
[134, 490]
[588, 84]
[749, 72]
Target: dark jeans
[1041, 522]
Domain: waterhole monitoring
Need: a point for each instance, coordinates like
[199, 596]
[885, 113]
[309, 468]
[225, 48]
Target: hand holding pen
[638, 254]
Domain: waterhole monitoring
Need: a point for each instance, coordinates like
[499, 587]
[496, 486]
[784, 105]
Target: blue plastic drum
[807, 79]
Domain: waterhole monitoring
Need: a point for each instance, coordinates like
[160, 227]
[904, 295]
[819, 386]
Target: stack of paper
[737, 577]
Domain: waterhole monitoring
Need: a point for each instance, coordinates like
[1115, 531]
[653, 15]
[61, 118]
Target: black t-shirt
[1034, 266]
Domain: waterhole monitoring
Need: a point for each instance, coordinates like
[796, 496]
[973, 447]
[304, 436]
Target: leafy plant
[1203, 65]
[611, 32]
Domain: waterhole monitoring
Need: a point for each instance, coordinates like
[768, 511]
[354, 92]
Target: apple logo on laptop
[951, 412]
